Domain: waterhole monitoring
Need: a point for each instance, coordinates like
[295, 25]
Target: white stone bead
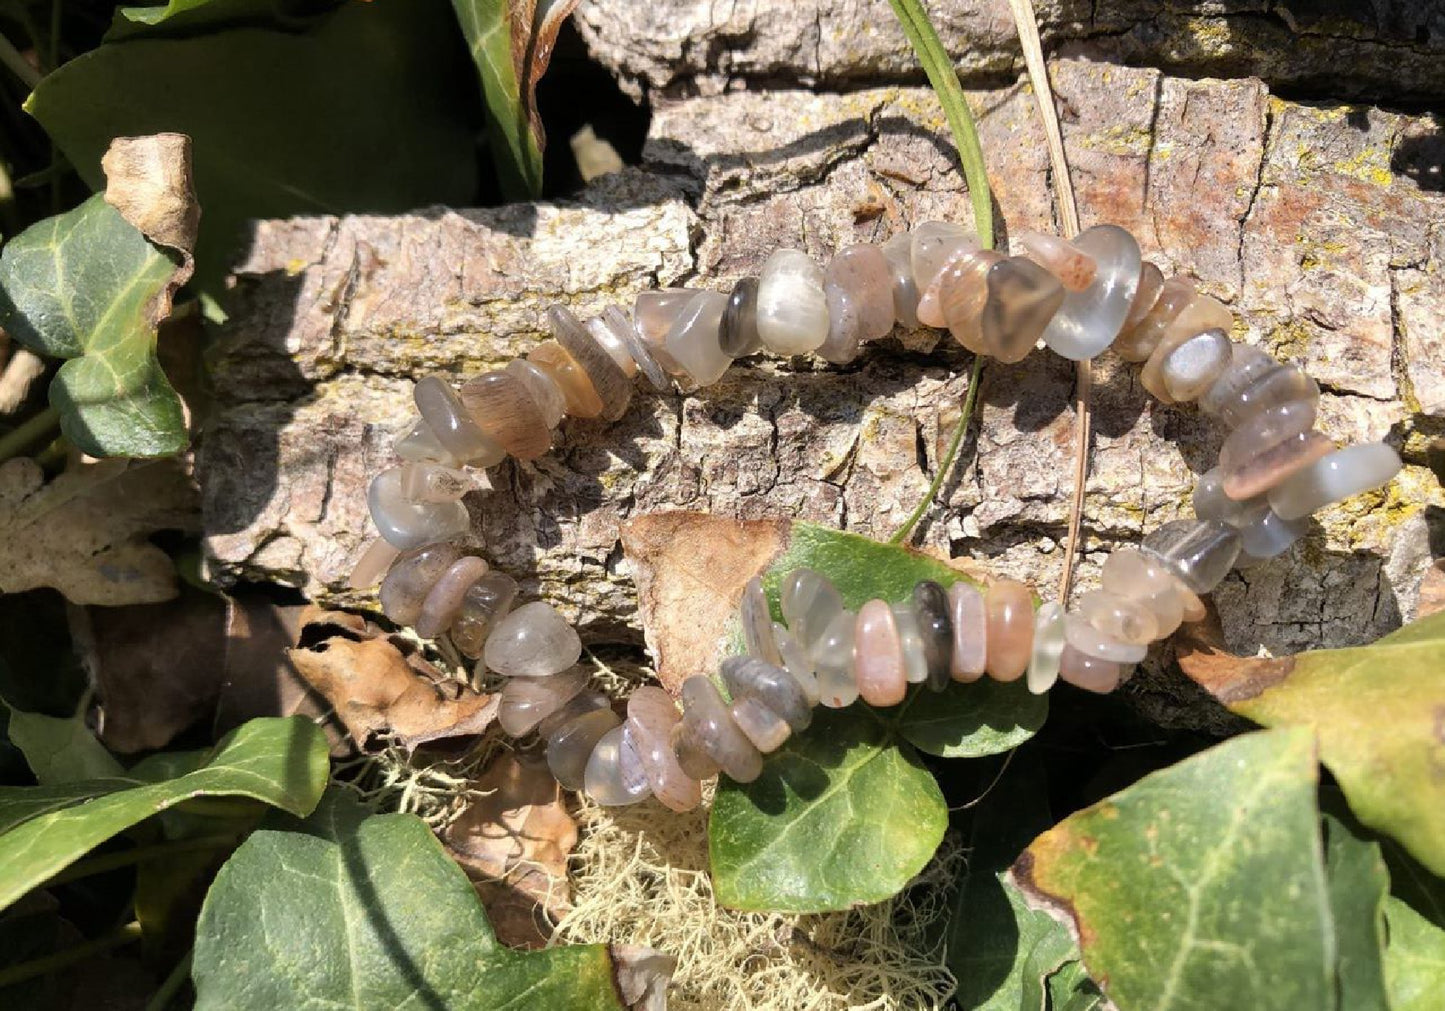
[1089, 320]
[1048, 647]
[1269, 535]
[532, 641]
[832, 656]
[792, 308]
[798, 663]
[910, 640]
[1339, 475]
[692, 340]
[1088, 640]
[1191, 368]
[406, 524]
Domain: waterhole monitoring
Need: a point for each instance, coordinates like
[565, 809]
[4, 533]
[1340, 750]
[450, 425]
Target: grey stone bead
[747, 676]
[586, 701]
[931, 607]
[526, 702]
[532, 641]
[613, 775]
[570, 746]
[757, 621]
[410, 578]
[616, 321]
[693, 339]
[406, 524]
[453, 425]
[486, 602]
[608, 379]
[444, 600]
[898, 252]
[809, 603]
[710, 726]
[738, 335]
[1199, 552]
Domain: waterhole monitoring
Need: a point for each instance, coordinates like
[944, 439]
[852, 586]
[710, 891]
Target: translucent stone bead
[532, 641]
[1200, 315]
[1048, 647]
[878, 656]
[833, 657]
[419, 444]
[1247, 364]
[1199, 553]
[1210, 502]
[970, 632]
[545, 393]
[372, 564]
[584, 702]
[411, 576]
[1091, 673]
[933, 244]
[570, 746]
[1088, 321]
[431, 482]
[792, 315]
[651, 715]
[503, 407]
[1270, 535]
[1074, 268]
[1269, 447]
[654, 311]
[453, 425]
[1191, 368]
[613, 386]
[1339, 475]
[1120, 618]
[688, 750]
[910, 639]
[486, 602]
[406, 524]
[526, 702]
[809, 602]
[798, 663]
[1010, 627]
[756, 619]
[930, 608]
[898, 252]
[707, 724]
[613, 775]
[956, 295]
[765, 729]
[1238, 396]
[738, 333]
[1130, 573]
[616, 321]
[693, 339]
[1087, 639]
[1138, 342]
[444, 600]
[1008, 309]
[1151, 283]
[578, 392]
[609, 330]
[749, 677]
[862, 271]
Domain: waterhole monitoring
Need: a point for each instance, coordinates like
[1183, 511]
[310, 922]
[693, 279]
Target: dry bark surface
[1320, 225]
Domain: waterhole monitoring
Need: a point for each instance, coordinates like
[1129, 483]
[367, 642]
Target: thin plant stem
[945, 463]
[172, 984]
[28, 433]
[140, 855]
[44, 966]
[17, 64]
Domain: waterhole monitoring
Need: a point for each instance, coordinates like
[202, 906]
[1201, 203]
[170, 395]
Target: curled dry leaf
[149, 180]
[514, 840]
[380, 689]
[85, 532]
[642, 976]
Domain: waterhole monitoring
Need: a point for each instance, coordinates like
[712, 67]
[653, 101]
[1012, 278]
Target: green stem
[945, 464]
[939, 68]
[11, 975]
[162, 998]
[140, 855]
[28, 433]
[17, 64]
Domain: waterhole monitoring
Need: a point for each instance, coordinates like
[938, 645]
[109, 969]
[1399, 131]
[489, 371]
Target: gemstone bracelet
[1079, 297]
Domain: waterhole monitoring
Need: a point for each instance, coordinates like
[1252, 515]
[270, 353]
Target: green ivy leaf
[1415, 959]
[81, 285]
[182, 16]
[1201, 886]
[282, 762]
[1358, 885]
[60, 750]
[367, 912]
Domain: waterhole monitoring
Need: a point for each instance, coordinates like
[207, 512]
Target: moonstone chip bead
[486, 602]
[503, 407]
[1254, 383]
[878, 656]
[1087, 639]
[707, 724]
[545, 393]
[532, 641]
[1091, 673]
[526, 702]
[1120, 618]
[833, 656]
[930, 607]
[613, 385]
[1088, 321]
[372, 564]
[738, 334]
[764, 728]
[443, 601]
[1199, 553]
[691, 758]
[1200, 315]
[431, 482]
[693, 339]
[1130, 573]
[1010, 627]
[419, 444]
[453, 425]
[798, 663]
[651, 715]
[1343, 473]
[1048, 647]
[584, 702]
[749, 677]
[898, 252]
[862, 270]
[610, 330]
[933, 244]
[792, 309]
[910, 639]
[1191, 369]
[1074, 268]
[809, 603]
[1269, 447]
[405, 586]
[613, 775]
[578, 392]
[756, 619]
[406, 524]
[1270, 535]
[570, 746]
[1138, 342]
[1210, 502]
[615, 320]
[1023, 299]
[970, 632]
[654, 311]
[1151, 283]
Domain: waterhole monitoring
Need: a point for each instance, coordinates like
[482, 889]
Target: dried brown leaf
[85, 532]
[149, 181]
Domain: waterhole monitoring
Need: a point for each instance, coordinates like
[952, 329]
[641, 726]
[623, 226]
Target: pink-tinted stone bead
[878, 656]
[526, 702]
[1090, 673]
[1269, 447]
[859, 292]
[411, 576]
[613, 385]
[613, 775]
[1084, 637]
[708, 725]
[453, 425]
[970, 632]
[1137, 343]
[1130, 573]
[1010, 629]
[570, 746]
[1128, 621]
[431, 482]
[503, 407]
[444, 600]
[651, 715]
[373, 563]
[545, 392]
[1074, 269]
[932, 244]
[577, 390]
[897, 251]
[764, 728]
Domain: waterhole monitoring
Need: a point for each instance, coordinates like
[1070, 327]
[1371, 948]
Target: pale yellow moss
[1371, 165]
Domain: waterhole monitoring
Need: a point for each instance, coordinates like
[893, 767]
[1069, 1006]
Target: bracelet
[1079, 297]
